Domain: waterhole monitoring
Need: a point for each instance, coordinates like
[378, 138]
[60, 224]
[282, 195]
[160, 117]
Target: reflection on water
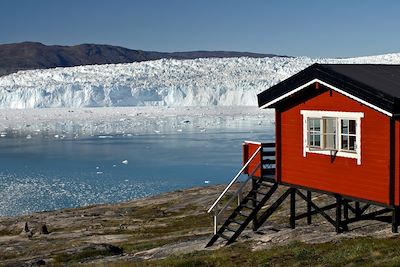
[46, 171]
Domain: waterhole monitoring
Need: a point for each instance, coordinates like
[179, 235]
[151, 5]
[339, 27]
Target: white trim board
[334, 114]
[331, 87]
[252, 142]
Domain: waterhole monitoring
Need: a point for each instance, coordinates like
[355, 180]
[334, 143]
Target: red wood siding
[248, 150]
[369, 181]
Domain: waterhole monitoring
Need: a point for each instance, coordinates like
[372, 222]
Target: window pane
[330, 125]
[329, 133]
[345, 142]
[352, 127]
[317, 140]
[345, 126]
[352, 143]
[317, 126]
[330, 141]
[313, 124]
[314, 132]
[314, 140]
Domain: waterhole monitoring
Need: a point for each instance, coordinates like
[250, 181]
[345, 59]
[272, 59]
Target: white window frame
[339, 115]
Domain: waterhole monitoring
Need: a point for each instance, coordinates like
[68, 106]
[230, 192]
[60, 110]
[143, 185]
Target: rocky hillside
[31, 55]
[172, 230]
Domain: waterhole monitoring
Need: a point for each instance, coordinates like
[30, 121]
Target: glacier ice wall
[166, 82]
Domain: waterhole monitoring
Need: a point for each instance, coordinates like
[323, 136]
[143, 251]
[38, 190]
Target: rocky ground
[153, 228]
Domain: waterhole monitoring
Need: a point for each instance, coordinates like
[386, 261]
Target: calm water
[47, 173]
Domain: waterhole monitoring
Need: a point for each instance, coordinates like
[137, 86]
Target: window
[330, 132]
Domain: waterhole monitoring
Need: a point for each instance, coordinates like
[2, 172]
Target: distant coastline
[34, 55]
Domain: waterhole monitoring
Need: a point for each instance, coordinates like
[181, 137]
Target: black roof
[376, 84]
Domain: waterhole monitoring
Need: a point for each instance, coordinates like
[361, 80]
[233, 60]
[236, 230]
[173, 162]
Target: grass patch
[350, 252]
[146, 245]
[167, 226]
[88, 253]
[7, 232]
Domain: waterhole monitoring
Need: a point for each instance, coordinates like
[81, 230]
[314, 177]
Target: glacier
[165, 82]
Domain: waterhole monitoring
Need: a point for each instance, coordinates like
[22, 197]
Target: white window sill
[343, 154]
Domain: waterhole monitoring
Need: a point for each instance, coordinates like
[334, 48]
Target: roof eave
[316, 73]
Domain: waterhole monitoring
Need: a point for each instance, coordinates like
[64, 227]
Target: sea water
[47, 171]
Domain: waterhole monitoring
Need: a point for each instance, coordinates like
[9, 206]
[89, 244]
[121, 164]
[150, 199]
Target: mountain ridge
[35, 55]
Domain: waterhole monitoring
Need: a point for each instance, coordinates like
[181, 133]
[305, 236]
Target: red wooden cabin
[337, 132]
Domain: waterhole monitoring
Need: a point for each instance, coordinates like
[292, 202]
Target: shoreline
[110, 204]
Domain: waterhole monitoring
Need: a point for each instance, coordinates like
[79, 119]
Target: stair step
[257, 190]
[265, 184]
[253, 199]
[246, 206]
[231, 229]
[237, 222]
[243, 214]
[224, 236]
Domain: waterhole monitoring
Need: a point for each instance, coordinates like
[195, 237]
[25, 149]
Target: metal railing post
[215, 223]
[239, 195]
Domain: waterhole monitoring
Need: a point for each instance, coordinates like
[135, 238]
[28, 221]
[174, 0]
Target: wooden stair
[245, 212]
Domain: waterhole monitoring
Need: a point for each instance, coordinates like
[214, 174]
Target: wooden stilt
[293, 208]
[395, 220]
[338, 214]
[309, 207]
[346, 210]
[357, 208]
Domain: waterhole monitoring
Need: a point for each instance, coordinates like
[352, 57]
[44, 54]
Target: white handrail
[238, 191]
[234, 180]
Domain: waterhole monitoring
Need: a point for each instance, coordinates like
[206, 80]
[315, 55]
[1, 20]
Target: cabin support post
[395, 219]
[293, 208]
[309, 207]
[357, 208]
[346, 210]
[338, 214]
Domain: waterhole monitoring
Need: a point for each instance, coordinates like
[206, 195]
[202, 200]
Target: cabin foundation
[347, 210]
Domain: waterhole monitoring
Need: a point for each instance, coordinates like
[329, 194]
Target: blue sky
[316, 28]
